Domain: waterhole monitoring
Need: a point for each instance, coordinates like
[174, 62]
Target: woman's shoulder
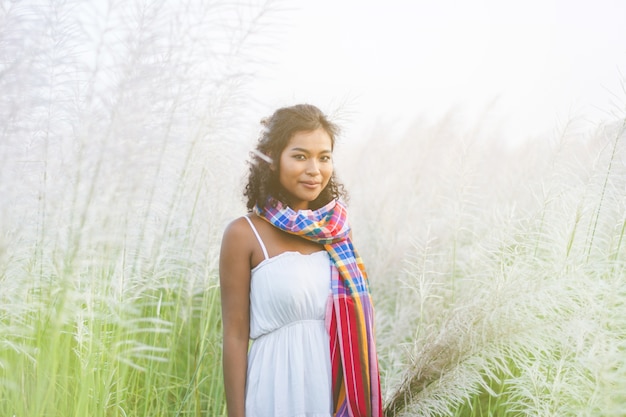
[238, 228]
[238, 239]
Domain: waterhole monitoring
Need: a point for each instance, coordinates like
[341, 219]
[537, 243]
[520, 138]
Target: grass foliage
[117, 121]
[497, 271]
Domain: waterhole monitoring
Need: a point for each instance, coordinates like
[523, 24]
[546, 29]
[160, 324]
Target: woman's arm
[235, 292]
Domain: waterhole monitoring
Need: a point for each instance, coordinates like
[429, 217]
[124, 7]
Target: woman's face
[306, 166]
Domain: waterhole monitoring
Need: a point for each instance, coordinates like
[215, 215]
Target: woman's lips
[310, 184]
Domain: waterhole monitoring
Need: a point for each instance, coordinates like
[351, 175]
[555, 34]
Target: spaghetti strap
[257, 236]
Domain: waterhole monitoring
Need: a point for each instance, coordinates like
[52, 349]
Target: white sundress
[289, 372]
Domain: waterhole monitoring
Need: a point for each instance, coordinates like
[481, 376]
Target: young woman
[292, 282]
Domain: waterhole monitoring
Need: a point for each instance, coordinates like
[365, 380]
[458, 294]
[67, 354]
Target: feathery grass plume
[498, 273]
[116, 175]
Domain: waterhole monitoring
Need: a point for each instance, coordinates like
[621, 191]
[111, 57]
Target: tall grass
[498, 270]
[117, 140]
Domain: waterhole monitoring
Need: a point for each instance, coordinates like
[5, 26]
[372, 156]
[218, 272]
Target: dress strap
[257, 236]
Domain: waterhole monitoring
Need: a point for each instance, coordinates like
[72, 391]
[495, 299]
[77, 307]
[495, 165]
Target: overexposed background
[533, 65]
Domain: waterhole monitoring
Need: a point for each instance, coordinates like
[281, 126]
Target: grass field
[497, 271]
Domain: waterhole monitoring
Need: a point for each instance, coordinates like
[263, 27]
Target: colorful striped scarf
[350, 317]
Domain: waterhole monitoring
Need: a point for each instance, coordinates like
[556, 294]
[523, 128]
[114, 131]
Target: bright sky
[544, 61]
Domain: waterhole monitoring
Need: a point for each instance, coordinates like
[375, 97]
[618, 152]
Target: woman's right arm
[235, 293]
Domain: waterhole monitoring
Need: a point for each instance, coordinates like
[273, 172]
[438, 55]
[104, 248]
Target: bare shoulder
[238, 228]
[236, 252]
[238, 236]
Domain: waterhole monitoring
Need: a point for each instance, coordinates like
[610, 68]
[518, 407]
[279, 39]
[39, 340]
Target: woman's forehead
[317, 139]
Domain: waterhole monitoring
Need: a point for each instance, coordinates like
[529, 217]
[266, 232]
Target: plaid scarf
[350, 317]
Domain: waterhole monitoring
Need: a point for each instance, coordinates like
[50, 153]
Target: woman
[292, 282]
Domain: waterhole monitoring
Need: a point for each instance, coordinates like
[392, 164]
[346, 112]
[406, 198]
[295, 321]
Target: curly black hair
[278, 129]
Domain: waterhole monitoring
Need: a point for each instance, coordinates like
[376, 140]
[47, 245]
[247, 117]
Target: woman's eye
[299, 157]
[325, 158]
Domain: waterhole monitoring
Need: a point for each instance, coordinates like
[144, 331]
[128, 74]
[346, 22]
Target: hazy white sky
[543, 61]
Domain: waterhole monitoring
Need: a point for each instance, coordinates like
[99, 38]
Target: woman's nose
[312, 167]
